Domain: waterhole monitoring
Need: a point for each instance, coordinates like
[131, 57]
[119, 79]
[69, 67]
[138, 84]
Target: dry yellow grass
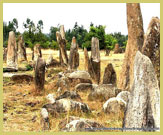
[20, 115]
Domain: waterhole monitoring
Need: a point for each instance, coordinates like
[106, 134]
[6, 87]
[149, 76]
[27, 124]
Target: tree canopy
[33, 34]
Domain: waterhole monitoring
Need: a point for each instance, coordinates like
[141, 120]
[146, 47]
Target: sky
[112, 15]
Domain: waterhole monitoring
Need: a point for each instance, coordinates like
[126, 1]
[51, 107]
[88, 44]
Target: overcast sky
[112, 15]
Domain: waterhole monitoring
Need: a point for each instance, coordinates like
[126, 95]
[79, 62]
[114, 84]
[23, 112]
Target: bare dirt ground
[22, 106]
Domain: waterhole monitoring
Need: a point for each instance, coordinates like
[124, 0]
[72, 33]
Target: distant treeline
[33, 34]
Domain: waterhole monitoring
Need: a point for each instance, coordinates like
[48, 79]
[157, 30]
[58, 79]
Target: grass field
[22, 106]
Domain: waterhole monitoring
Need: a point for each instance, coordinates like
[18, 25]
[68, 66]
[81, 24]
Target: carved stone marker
[135, 43]
[21, 49]
[86, 59]
[37, 52]
[117, 49]
[94, 64]
[143, 109]
[39, 74]
[12, 51]
[62, 45]
[74, 55]
[109, 75]
[151, 47]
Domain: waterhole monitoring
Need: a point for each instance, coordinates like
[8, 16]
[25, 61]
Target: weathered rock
[77, 77]
[86, 59]
[70, 95]
[4, 54]
[66, 105]
[117, 49]
[151, 47]
[21, 49]
[39, 74]
[109, 75]
[124, 95]
[63, 83]
[84, 87]
[115, 106]
[79, 124]
[50, 62]
[103, 92]
[135, 42]
[37, 52]
[12, 51]
[143, 109]
[74, 55]
[62, 45]
[107, 52]
[20, 78]
[94, 64]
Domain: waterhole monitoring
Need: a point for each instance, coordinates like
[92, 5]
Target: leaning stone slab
[143, 109]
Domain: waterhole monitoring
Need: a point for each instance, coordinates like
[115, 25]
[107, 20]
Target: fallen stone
[79, 124]
[115, 106]
[103, 92]
[84, 87]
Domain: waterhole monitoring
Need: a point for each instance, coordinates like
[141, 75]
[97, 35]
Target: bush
[29, 67]
[45, 45]
[54, 45]
[5, 44]
[29, 44]
[87, 45]
[68, 45]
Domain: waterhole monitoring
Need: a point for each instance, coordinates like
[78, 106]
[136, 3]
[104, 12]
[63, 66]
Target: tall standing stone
[151, 47]
[143, 109]
[62, 45]
[39, 74]
[37, 52]
[135, 43]
[21, 49]
[117, 49]
[94, 67]
[86, 59]
[109, 75]
[12, 51]
[74, 55]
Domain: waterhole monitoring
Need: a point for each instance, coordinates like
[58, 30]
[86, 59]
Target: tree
[110, 41]
[52, 33]
[40, 26]
[95, 31]
[120, 38]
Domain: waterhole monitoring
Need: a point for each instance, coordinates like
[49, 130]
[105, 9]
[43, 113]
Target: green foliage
[78, 32]
[87, 45]
[29, 67]
[122, 39]
[68, 45]
[5, 43]
[52, 34]
[54, 45]
[99, 32]
[33, 34]
[110, 42]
